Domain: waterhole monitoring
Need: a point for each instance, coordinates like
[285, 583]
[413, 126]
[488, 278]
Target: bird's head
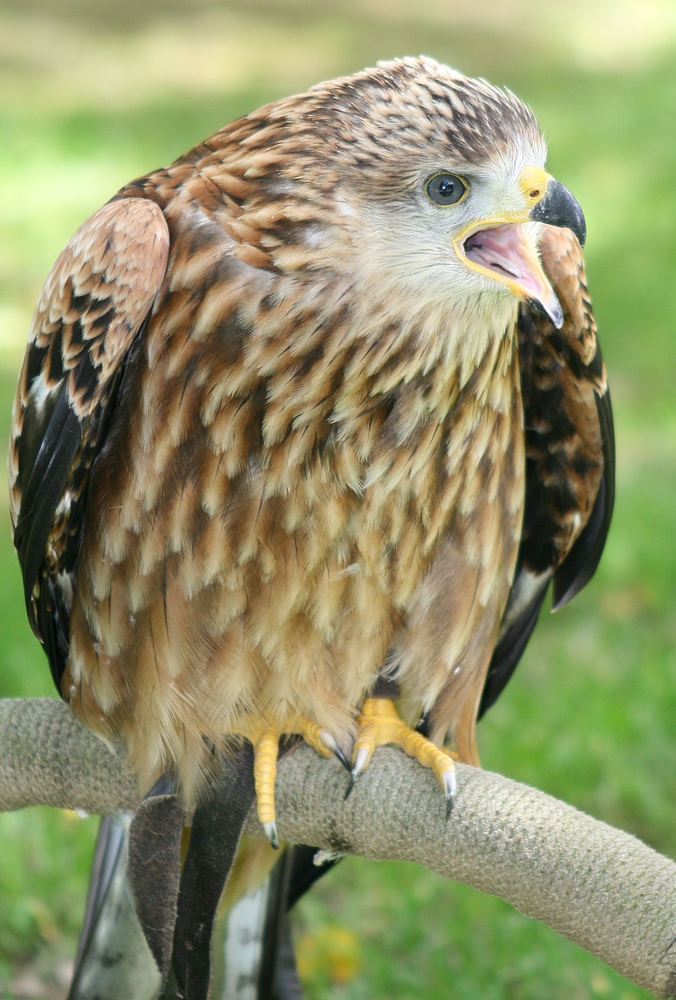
[439, 179]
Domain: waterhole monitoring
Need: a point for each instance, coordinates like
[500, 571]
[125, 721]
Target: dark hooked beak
[558, 208]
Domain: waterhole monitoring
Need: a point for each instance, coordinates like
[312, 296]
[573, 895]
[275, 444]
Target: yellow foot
[379, 724]
[266, 746]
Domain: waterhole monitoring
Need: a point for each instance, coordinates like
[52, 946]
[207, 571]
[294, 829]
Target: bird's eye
[445, 189]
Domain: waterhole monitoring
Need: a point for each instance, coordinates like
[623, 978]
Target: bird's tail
[258, 960]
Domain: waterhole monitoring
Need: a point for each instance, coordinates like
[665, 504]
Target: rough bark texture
[598, 886]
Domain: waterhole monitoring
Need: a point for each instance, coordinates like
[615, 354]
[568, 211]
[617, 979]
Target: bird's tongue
[509, 254]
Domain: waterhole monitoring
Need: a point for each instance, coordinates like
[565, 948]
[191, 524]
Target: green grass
[415, 935]
[590, 715]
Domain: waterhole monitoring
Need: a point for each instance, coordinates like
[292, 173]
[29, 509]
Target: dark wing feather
[48, 475]
[570, 457]
[511, 644]
[91, 308]
[580, 564]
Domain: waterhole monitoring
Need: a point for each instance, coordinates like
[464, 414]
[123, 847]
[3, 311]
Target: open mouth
[500, 249]
[507, 253]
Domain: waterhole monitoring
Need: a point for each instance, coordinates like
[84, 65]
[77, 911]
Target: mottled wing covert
[91, 307]
[570, 456]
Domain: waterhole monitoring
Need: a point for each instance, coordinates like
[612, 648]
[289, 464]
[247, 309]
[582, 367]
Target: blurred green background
[93, 94]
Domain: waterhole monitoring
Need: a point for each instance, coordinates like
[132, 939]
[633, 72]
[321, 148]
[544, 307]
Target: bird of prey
[307, 423]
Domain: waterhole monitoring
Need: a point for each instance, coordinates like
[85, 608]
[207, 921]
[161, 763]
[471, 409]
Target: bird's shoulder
[220, 193]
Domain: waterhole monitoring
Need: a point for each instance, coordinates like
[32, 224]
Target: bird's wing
[570, 463]
[91, 307]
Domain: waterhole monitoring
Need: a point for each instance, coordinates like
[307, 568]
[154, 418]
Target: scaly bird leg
[266, 747]
[379, 724]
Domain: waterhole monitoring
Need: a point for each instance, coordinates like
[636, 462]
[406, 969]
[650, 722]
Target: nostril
[535, 193]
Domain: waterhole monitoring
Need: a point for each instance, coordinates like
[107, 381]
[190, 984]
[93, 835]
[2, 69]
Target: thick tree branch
[598, 886]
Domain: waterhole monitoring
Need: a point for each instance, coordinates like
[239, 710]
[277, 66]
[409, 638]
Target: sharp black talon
[330, 743]
[270, 830]
[338, 753]
[449, 807]
[360, 761]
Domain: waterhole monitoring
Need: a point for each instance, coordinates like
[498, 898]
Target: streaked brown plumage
[294, 452]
